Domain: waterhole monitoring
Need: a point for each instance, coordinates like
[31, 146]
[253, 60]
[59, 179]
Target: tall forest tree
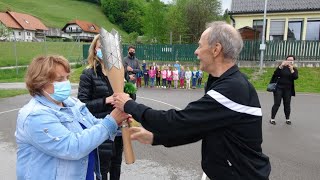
[188, 18]
[154, 26]
[125, 13]
[176, 21]
[199, 13]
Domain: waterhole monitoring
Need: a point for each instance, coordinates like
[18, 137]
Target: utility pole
[263, 45]
[15, 52]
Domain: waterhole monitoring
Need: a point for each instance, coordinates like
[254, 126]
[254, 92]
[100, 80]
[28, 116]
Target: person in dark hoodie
[96, 92]
[228, 118]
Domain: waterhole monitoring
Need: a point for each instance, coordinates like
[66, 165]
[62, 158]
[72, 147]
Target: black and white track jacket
[228, 120]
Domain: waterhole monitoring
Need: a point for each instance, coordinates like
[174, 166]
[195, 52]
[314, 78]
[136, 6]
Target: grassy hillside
[56, 13]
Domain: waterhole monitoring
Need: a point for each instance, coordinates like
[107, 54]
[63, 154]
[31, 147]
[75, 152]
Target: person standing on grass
[284, 75]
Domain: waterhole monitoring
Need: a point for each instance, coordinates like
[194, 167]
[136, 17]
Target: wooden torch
[112, 60]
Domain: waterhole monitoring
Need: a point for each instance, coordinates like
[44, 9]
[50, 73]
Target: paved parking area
[294, 150]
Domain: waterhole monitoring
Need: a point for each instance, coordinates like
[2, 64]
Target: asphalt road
[294, 150]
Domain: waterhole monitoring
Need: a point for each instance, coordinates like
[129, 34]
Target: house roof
[21, 21]
[257, 6]
[247, 27]
[8, 21]
[84, 25]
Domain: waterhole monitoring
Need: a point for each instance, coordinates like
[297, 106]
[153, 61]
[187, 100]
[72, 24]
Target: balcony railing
[73, 31]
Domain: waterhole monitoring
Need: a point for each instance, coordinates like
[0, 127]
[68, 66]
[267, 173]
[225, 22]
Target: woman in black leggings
[284, 75]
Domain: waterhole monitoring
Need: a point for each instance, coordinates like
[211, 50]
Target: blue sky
[226, 4]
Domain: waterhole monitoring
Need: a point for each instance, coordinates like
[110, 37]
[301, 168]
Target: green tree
[226, 16]
[133, 17]
[4, 32]
[125, 13]
[200, 12]
[132, 38]
[154, 26]
[176, 21]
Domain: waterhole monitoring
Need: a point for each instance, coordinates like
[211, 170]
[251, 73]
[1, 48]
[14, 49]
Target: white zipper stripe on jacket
[233, 105]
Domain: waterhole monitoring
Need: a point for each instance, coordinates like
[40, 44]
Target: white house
[80, 30]
[24, 27]
[286, 19]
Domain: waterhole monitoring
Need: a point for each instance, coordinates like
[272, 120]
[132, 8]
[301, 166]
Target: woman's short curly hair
[42, 70]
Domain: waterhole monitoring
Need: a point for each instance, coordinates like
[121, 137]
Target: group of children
[169, 76]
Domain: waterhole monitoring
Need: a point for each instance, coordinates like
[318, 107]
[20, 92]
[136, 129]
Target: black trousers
[146, 80]
[112, 164]
[278, 95]
[158, 81]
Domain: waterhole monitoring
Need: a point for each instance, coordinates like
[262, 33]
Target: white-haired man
[228, 118]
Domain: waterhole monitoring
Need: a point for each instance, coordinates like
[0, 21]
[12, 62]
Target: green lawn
[56, 13]
[12, 75]
[26, 51]
[12, 92]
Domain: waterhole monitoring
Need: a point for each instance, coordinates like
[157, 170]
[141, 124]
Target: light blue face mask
[99, 54]
[62, 91]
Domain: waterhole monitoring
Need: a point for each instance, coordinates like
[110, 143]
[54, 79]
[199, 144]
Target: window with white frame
[28, 33]
[313, 30]
[276, 30]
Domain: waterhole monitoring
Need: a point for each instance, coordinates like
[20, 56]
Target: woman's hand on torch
[120, 100]
[119, 115]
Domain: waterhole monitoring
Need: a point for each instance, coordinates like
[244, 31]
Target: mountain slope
[56, 13]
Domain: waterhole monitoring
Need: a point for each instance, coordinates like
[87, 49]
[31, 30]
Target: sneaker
[288, 121]
[272, 121]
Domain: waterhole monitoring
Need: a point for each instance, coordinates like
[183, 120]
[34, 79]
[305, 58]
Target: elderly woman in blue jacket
[56, 135]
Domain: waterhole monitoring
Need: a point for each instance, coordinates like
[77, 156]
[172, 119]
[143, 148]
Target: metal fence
[278, 50]
[275, 50]
[158, 52]
[21, 53]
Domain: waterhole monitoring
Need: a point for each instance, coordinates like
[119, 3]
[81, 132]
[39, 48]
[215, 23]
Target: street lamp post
[263, 45]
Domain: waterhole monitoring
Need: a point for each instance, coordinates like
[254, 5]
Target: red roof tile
[8, 21]
[27, 21]
[85, 26]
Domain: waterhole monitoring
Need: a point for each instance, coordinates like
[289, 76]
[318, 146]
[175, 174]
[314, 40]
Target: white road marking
[3, 112]
[159, 102]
